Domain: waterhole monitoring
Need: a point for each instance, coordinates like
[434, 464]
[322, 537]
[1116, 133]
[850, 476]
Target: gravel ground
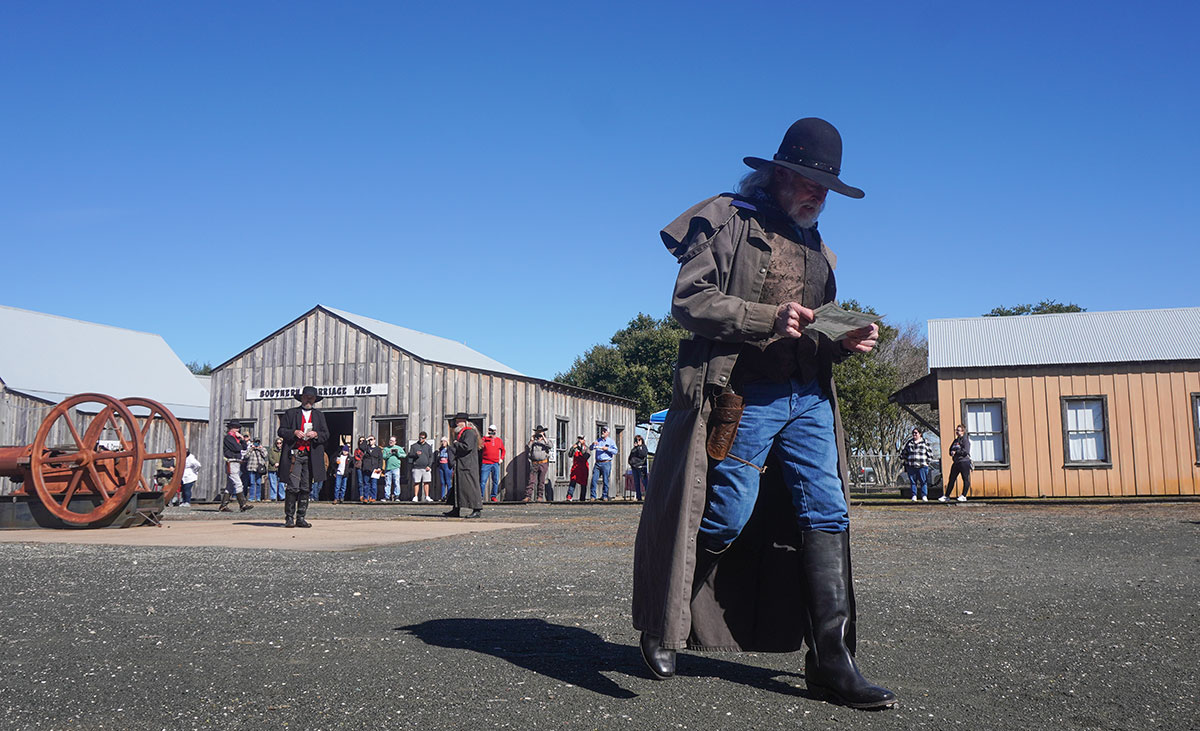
[979, 616]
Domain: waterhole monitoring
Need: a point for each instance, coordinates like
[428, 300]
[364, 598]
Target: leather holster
[723, 424]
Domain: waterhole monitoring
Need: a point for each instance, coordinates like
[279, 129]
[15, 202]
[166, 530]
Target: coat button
[762, 271]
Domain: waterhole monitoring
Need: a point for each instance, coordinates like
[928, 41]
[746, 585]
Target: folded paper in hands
[834, 322]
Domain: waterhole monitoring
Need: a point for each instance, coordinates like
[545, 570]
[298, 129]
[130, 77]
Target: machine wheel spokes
[60, 473]
[162, 438]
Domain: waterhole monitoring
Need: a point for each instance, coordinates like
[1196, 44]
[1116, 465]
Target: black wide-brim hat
[308, 391]
[462, 415]
[811, 148]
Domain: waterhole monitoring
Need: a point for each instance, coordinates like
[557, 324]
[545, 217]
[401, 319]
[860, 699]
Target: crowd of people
[369, 473]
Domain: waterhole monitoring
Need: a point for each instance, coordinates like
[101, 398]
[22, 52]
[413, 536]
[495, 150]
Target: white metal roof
[1076, 337]
[51, 357]
[425, 346]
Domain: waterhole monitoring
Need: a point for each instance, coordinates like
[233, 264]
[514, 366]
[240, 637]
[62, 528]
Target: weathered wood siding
[321, 349]
[1151, 428]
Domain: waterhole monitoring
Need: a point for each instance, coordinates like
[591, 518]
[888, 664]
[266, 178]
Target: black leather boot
[301, 511]
[829, 668]
[289, 509]
[224, 507]
[659, 659]
[706, 563]
[243, 503]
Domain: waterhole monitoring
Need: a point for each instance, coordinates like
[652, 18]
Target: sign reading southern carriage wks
[365, 389]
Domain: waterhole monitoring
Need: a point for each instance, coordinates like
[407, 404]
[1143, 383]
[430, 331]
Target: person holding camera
[538, 452]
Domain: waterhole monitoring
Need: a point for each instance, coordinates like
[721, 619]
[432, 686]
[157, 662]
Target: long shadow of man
[577, 656]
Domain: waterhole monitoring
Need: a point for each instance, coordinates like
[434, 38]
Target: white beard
[802, 216]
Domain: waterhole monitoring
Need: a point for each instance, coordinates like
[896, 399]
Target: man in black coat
[304, 434]
[466, 468]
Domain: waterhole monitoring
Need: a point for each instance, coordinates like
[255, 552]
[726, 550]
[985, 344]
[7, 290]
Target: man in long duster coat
[772, 583]
[466, 468]
[304, 433]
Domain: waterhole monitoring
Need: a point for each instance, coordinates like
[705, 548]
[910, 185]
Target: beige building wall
[1151, 428]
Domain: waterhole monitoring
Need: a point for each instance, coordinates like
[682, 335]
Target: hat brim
[300, 397]
[829, 180]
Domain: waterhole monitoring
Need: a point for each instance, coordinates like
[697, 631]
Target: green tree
[638, 364]
[200, 370]
[864, 382]
[1045, 307]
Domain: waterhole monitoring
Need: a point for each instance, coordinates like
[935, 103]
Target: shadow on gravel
[579, 657]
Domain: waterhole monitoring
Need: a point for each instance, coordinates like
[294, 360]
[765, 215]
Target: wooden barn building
[1070, 405]
[386, 380]
[47, 358]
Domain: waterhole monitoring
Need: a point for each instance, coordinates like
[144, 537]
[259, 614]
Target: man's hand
[861, 340]
[301, 434]
[791, 318]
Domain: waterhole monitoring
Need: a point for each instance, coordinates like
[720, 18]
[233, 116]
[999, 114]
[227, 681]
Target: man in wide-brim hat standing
[304, 434]
[465, 447]
[744, 537]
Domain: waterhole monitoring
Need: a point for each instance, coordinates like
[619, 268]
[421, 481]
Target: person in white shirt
[191, 473]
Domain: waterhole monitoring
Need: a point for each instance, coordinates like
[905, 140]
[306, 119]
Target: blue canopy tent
[651, 429]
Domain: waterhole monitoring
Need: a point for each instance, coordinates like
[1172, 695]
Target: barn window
[986, 421]
[1196, 423]
[385, 429]
[561, 442]
[1085, 431]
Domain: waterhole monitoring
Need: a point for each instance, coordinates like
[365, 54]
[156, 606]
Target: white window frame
[1105, 462]
[976, 458]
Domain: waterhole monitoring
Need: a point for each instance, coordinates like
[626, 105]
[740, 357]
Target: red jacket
[492, 450]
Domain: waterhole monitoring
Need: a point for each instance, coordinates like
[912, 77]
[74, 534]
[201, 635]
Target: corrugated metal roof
[51, 357]
[425, 346]
[1076, 337]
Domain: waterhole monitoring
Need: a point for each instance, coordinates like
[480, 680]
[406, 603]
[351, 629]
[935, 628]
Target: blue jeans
[391, 484]
[254, 492]
[315, 494]
[796, 421]
[186, 489]
[444, 475]
[601, 470]
[639, 480]
[370, 486]
[918, 477]
[492, 471]
[276, 489]
[339, 487]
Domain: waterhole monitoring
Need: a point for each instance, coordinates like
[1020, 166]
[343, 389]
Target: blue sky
[497, 173]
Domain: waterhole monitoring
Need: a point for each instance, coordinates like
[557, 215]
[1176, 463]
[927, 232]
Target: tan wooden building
[1090, 404]
[386, 380]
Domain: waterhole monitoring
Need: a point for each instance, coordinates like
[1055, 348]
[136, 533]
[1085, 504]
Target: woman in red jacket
[579, 455]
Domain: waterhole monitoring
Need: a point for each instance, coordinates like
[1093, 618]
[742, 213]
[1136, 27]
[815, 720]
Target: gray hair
[754, 181]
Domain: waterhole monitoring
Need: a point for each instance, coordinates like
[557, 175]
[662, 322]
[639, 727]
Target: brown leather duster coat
[753, 600]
